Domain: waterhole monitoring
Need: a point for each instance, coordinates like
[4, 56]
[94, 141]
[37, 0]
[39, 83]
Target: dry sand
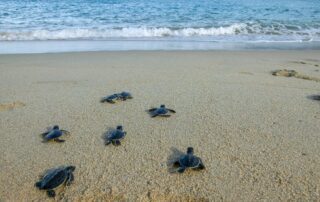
[258, 134]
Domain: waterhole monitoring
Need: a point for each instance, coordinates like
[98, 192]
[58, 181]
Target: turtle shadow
[314, 97]
[172, 158]
[104, 136]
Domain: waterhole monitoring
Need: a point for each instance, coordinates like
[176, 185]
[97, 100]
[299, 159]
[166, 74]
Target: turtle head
[70, 168]
[119, 127]
[190, 150]
[162, 106]
[55, 127]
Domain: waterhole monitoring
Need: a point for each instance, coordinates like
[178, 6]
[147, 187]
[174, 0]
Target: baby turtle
[125, 95]
[110, 99]
[161, 111]
[315, 97]
[115, 136]
[54, 134]
[55, 178]
[189, 161]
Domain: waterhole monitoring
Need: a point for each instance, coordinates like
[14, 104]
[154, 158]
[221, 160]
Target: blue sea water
[161, 20]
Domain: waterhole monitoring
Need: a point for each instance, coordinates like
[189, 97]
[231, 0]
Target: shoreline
[256, 133]
[56, 46]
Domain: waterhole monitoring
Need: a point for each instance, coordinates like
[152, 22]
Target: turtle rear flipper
[59, 140]
[176, 164]
[165, 115]
[103, 100]
[38, 184]
[44, 134]
[111, 101]
[116, 143]
[152, 109]
[107, 142]
[154, 115]
[65, 132]
[51, 193]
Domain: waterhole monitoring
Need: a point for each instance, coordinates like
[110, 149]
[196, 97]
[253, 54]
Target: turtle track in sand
[11, 106]
[293, 73]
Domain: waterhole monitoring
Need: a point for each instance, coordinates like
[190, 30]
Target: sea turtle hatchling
[115, 136]
[117, 96]
[110, 98]
[124, 96]
[55, 178]
[189, 161]
[54, 134]
[161, 111]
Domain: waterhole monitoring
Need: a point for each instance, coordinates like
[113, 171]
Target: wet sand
[257, 134]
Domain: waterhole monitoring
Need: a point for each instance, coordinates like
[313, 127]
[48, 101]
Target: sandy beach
[257, 134]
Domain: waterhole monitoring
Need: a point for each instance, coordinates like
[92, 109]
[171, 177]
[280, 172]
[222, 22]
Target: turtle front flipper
[59, 140]
[51, 193]
[201, 166]
[70, 179]
[171, 110]
[107, 142]
[181, 169]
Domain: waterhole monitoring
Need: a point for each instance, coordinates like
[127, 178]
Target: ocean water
[230, 21]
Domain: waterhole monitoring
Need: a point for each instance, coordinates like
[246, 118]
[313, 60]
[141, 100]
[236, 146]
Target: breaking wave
[278, 32]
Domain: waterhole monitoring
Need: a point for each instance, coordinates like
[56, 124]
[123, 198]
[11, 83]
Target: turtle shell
[53, 179]
[109, 98]
[125, 95]
[53, 134]
[190, 161]
[116, 135]
[161, 110]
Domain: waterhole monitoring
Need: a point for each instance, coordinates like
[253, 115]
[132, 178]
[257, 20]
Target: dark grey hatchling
[110, 98]
[115, 136]
[189, 160]
[161, 111]
[54, 134]
[123, 96]
[55, 178]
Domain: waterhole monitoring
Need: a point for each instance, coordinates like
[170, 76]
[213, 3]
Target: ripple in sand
[293, 73]
[57, 82]
[11, 106]
[247, 73]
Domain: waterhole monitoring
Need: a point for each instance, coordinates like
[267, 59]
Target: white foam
[123, 32]
[246, 31]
